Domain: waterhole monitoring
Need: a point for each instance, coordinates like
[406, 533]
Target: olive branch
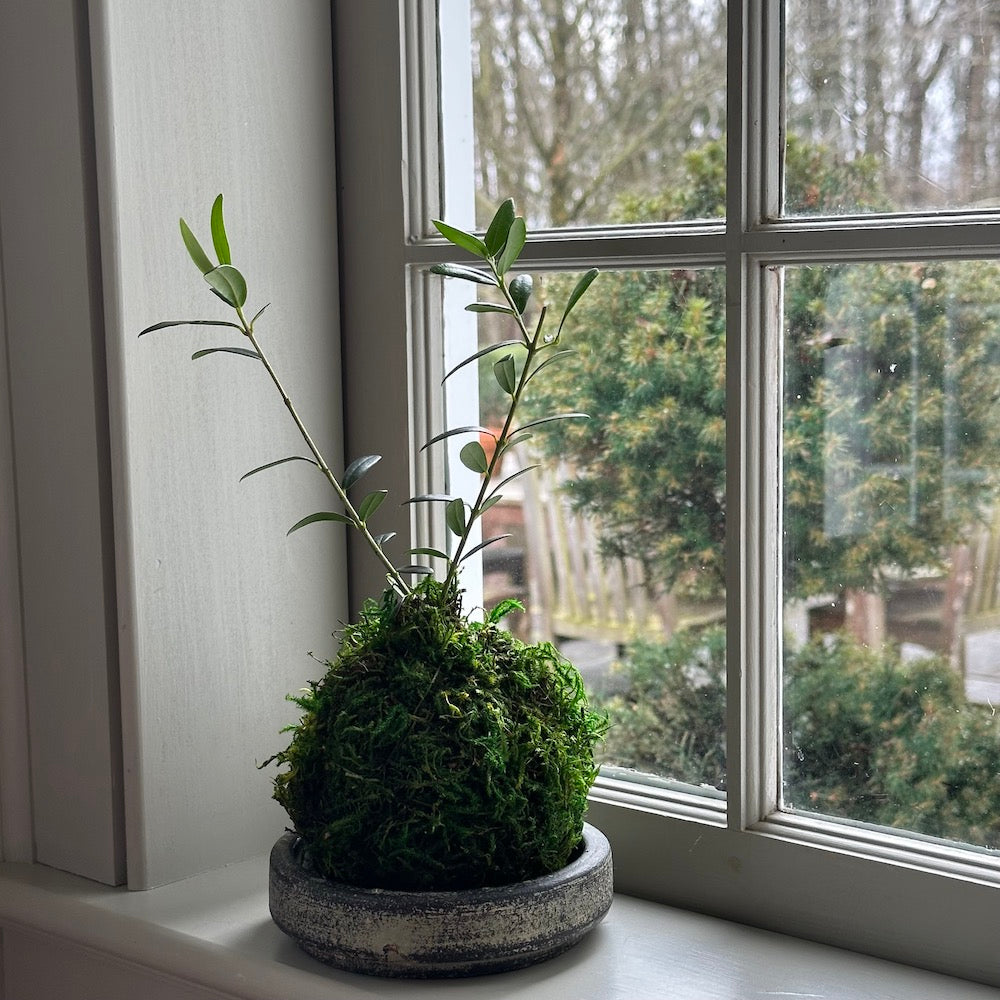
[498, 250]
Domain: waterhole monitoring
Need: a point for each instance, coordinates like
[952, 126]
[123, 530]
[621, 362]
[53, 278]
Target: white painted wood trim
[212, 935]
[808, 879]
[218, 610]
[57, 413]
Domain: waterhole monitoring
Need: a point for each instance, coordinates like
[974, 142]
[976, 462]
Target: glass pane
[616, 542]
[891, 106]
[891, 530]
[597, 111]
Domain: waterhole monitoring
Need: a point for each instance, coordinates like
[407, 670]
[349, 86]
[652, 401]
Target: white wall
[213, 610]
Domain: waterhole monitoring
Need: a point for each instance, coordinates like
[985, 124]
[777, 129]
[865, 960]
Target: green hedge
[867, 735]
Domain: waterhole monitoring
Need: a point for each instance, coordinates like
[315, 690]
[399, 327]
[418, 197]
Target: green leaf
[357, 469]
[271, 465]
[496, 234]
[244, 351]
[489, 307]
[256, 315]
[430, 498]
[462, 239]
[520, 291]
[479, 354]
[491, 501]
[189, 322]
[454, 431]
[460, 271]
[323, 515]
[520, 472]
[425, 570]
[194, 249]
[506, 374]
[437, 553]
[514, 245]
[517, 437]
[229, 283]
[371, 503]
[581, 286]
[504, 608]
[559, 355]
[482, 545]
[454, 516]
[474, 457]
[219, 238]
[548, 420]
[386, 536]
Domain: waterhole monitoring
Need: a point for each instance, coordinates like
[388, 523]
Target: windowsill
[214, 931]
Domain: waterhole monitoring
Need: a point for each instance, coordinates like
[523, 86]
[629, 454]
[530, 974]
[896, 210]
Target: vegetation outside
[891, 420]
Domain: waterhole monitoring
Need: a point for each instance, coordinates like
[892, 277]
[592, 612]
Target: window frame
[867, 889]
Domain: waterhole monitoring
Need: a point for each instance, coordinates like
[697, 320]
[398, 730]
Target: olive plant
[436, 752]
[496, 252]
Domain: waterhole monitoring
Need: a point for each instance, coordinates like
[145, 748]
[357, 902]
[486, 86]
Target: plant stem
[533, 348]
[392, 573]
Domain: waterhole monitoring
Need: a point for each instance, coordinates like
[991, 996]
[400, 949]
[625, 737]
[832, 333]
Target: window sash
[873, 890]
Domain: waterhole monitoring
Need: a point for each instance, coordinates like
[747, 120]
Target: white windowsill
[214, 931]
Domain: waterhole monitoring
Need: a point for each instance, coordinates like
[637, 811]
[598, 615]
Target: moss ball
[439, 753]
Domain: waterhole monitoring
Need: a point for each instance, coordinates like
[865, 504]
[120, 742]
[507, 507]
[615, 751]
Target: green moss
[439, 753]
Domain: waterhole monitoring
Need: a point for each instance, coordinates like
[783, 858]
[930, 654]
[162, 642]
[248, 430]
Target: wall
[212, 610]
[59, 650]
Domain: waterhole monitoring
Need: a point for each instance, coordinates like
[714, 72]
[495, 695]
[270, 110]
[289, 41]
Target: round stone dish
[436, 934]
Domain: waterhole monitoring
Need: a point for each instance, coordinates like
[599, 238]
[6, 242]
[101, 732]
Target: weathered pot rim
[436, 933]
[592, 842]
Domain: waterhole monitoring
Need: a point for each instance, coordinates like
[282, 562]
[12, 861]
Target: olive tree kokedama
[437, 752]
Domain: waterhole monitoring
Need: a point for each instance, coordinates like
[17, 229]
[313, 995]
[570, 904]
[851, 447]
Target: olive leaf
[467, 241]
[499, 346]
[357, 469]
[371, 503]
[506, 374]
[516, 237]
[244, 351]
[496, 234]
[280, 461]
[456, 430]
[488, 307]
[189, 322]
[323, 515]
[581, 286]
[426, 551]
[482, 545]
[219, 239]
[514, 475]
[520, 291]
[461, 271]
[431, 498]
[548, 420]
[229, 284]
[454, 516]
[194, 249]
[473, 457]
[491, 501]
[558, 356]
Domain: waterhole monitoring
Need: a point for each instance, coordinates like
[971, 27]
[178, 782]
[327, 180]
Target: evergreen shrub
[868, 735]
